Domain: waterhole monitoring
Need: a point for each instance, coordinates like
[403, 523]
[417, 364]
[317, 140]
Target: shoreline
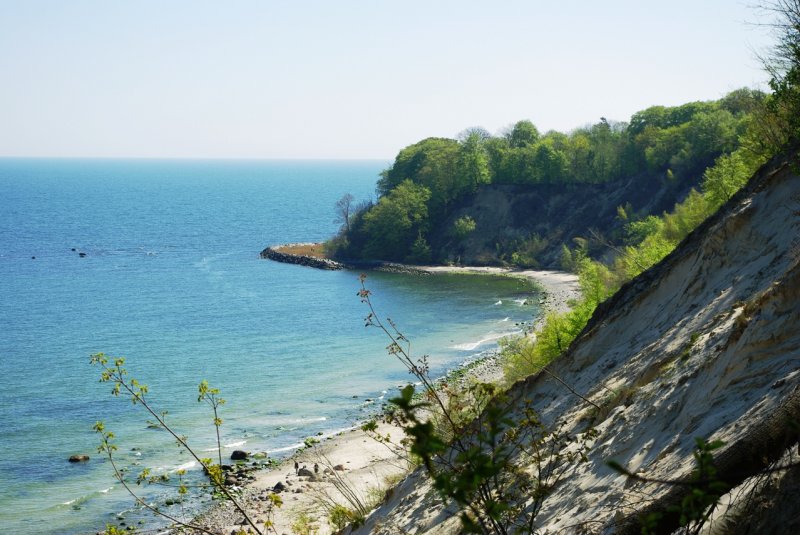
[368, 468]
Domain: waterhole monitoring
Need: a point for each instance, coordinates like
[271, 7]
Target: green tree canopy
[396, 221]
[523, 133]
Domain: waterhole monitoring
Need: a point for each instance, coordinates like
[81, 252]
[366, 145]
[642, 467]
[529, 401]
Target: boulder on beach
[305, 472]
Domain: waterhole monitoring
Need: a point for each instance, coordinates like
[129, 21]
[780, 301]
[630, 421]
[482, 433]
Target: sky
[348, 79]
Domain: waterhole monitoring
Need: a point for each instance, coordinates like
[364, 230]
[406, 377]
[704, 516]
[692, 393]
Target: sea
[157, 261]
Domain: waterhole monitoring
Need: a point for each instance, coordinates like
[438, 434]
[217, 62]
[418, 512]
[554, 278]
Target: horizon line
[193, 158]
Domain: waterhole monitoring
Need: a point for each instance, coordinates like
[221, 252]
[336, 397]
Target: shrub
[463, 227]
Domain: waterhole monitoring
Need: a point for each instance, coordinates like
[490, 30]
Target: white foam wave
[82, 499]
[498, 303]
[520, 301]
[472, 346]
[185, 466]
[505, 319]
[235, 444]
[287, 448]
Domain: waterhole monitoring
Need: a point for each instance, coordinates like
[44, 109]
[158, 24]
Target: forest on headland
[435, 201]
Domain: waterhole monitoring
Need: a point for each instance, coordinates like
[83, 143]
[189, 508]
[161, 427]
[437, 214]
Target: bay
[171, 279]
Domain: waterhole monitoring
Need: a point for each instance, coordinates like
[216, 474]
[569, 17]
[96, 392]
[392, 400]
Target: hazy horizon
[351, 80]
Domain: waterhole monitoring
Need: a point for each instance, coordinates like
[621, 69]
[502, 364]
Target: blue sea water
[171, 279]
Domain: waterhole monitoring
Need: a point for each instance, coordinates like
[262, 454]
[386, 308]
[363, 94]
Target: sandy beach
[365, 467]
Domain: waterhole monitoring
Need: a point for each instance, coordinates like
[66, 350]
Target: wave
[82, 499]
[472, 346]
[498, 303]
[286, 448]
[185, 466]
[231, 445]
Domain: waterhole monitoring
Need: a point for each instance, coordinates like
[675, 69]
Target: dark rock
[339, 468]
[230, 480]
[279, 487]
[78, 458]
[239, 455]
[305, 472]
[82, 255]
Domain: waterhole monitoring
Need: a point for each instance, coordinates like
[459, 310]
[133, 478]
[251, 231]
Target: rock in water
[78, 458]
[239, 455]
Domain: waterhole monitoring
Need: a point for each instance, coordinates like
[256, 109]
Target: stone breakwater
[276, 254]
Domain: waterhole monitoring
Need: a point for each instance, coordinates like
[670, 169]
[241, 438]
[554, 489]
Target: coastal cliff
[703, 345]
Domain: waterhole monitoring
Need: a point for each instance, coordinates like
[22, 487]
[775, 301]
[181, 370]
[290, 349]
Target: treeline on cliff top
[660, 148]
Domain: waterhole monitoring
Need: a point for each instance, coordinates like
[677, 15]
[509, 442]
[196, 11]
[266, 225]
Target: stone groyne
[274, 253]
[277, 254]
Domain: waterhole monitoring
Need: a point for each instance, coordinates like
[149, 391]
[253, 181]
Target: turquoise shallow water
[172, 280]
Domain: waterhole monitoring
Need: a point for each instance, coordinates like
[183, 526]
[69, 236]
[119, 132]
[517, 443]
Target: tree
[344, 211]
[783, 65]
[432, 163]
[396, 221]
[474, 160]
[524, 133]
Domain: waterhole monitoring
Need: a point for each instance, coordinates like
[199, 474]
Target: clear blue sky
[348, 79]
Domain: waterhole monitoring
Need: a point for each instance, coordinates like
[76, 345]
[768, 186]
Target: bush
[463, 227]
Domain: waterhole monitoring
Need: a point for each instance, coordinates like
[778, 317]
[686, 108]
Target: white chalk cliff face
[705, 344]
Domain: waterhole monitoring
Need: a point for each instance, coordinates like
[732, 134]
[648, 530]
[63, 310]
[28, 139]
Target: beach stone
[239, 455]
[78, 458]
[339, 468]
[230, 480]
[279, 487]
[305, 472]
